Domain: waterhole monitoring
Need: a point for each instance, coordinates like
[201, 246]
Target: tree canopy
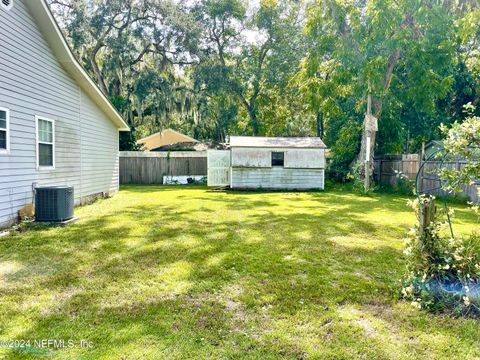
[211, 68]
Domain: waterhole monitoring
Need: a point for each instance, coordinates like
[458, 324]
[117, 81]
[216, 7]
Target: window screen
[46, 146]
[3, 130]
[3, 140]
[277, 158]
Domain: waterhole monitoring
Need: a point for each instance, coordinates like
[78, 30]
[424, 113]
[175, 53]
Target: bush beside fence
[388, 168]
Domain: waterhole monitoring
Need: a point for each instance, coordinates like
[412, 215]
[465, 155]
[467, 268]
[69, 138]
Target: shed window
[4, 130]
[45, 143]
[277, 158]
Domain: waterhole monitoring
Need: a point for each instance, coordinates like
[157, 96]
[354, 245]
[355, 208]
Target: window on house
[7, 4]
[45, 143]
[4, 135]
[277, 158]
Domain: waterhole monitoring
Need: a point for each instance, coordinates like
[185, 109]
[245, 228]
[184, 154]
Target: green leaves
[250, 58]
[405, 53]
[282, 67]
[462, 141]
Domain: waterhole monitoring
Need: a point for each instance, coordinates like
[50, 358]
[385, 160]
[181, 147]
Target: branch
[139, 58]
[216, 38]
[387, 80]
[57, 2]
[244, 101]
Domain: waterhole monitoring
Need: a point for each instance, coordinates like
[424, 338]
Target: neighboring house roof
[183, 146]
[50, 29]
[432, 147]
[276, 142]
[166, 137]
[434, 143]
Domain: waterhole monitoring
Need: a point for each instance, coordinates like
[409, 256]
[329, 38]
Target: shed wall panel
[277, 178]
[251, 157]
[305, 158]
[294, 158]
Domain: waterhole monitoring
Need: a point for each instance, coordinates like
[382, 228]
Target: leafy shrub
[344, 151]
[462, 140]
[443, 272]
[403, 184]
[356, 177]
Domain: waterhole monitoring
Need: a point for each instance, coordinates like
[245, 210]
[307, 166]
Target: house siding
[303, 168]
[33, 83]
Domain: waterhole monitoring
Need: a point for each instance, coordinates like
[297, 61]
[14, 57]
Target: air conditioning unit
[54, 203]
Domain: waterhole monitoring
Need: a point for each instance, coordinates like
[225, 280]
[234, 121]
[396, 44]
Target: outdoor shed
[269, 163]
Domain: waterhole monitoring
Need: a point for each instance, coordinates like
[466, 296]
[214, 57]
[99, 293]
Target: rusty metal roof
[277, 142]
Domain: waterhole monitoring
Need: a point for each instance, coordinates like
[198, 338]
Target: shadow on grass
[194, 272]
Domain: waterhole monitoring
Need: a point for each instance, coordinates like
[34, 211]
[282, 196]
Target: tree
[393, 52]
[133, 49]
[242, 68]
[215, 67]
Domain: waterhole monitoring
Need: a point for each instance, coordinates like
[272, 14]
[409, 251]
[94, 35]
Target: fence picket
[137, 167]
[409, 164]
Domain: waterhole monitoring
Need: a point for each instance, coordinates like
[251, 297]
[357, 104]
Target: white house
[269, 163]
[56, 127]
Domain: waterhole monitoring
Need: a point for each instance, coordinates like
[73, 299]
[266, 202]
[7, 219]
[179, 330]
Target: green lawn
[181, 272]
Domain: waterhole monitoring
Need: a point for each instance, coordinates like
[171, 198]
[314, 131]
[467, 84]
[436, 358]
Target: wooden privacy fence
[138, 167]
[430, 179]
[387, 168]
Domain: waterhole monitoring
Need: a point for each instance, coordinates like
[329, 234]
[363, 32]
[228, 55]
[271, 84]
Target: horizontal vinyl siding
[99, 151]
[33, 83]
[277, 178]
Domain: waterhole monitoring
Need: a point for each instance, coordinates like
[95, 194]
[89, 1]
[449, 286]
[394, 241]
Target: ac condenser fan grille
[54, 203]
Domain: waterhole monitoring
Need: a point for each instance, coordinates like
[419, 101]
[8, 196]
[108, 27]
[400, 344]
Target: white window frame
[7, 117]
[37, 143]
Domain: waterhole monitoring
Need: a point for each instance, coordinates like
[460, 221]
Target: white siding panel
[33, 82]
[305, 158]
[277, 178]
[99, 151]
[294, 158]
[251, 157]
[303, 169]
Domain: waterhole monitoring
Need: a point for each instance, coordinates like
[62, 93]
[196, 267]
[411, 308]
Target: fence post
[380, 169]
[427, 210]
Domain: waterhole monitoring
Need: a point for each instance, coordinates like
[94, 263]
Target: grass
[182, 272]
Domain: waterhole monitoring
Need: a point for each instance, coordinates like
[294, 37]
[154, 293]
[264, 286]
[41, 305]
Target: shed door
[218, 163]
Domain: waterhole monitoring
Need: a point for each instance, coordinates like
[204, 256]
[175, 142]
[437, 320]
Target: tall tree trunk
[98, 75]
[252, 112]
[370, 124]
[476, 100]
[369, 130]
[320, 125]
[254, 122]
[117, 87]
